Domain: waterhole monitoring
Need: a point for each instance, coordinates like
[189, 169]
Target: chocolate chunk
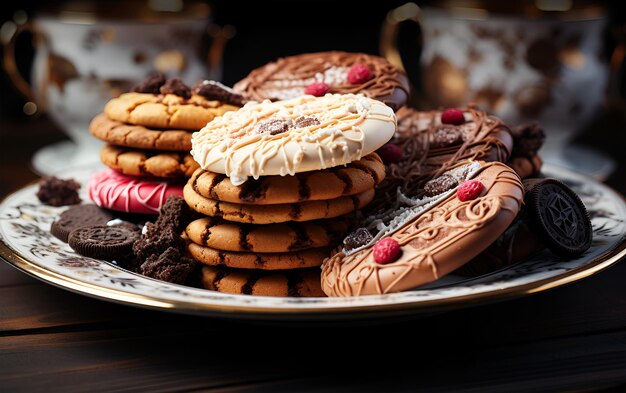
[169, 266]
[58, 192]
[175, 212]
[78, 217]
[212, 90]
[356, 239]
[447, 135]
[176, 86]
[273, 126]
[558, 216]
[307, 121]
[151, 85]
[156, 241]
[527, 140]
[103, 242]
[439, 185]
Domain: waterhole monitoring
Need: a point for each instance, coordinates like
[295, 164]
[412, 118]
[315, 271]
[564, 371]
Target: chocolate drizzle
[288, 77]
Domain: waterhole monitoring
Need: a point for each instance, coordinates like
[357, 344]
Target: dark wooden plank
[10, 276]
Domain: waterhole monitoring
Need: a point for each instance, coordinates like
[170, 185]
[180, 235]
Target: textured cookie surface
[148, 162]
[113, 190]
[264, 261]
[268, 214]
[165, 111]
[140, 137]
[287, 137]
[103, 242]
[459, 224]
[285, 237]
[291, 283]
[289, 77]
[354, 178]
[77, 217]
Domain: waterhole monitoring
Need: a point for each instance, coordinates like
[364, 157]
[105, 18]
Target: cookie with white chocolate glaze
[272, 238]
[353, 178]
[287, 137]
[334, 72]
[269, 214]
[430, 237]
[291, 283]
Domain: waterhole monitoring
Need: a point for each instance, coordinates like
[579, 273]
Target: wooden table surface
[571, 338]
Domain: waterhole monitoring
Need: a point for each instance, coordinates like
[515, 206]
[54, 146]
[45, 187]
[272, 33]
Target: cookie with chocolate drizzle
[341, 72]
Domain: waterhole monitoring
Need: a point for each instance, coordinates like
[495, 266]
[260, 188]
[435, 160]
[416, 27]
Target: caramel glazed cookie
[173, 105]
[429, 237]
[327, 72]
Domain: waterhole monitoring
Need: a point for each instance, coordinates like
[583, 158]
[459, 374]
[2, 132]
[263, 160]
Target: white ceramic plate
[27, 244]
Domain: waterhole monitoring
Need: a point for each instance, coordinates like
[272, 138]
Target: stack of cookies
[148, 135]
[277, 186]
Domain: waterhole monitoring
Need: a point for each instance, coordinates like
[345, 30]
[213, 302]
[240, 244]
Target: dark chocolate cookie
[78, 217]
[170, 266]
[58, 192]
[559, 217]
[103, 242]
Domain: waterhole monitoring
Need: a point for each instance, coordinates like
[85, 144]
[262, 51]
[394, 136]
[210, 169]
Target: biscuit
[269, 214]
[110, 243]
[113, 190]
[167, 111]
[120, 134]
[284, 237]
[289, 77]
[354, 178]
[437, 239]
[292, 283]
[77, 217]
[264, 261]
[287, 137]
[148, 162]
[430, 147]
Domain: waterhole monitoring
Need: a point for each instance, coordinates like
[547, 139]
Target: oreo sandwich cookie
[110, 243]
[559, 217]
[78, 217]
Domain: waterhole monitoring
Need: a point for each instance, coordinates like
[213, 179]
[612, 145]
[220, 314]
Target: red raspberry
[317, 89]
[390, 153]
[359, 73]
[453, 116]
[469, 190]
[386, 251]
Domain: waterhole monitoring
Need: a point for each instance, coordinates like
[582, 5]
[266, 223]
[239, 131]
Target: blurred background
[558, 62]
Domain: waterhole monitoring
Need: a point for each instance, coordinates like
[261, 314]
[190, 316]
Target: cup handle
[409, 12]
[10, 65]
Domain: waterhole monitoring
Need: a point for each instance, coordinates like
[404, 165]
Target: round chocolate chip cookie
[269, 214]
[165, 111]
[264, 261]
[292, 283]
[354, 178]
[120, 134]
[148, 162]
[284, 237]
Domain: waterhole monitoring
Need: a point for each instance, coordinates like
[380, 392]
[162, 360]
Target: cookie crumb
[151, 84]
[307, 121]
[273, 126]
[527, 140]
[54, 191]
[439, 185]
[169, 266]
[447, 136]
[356, 239]
[212, 90]
[176, 86]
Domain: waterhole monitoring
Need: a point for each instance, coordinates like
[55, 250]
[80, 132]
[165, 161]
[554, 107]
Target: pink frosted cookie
[115, 191]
